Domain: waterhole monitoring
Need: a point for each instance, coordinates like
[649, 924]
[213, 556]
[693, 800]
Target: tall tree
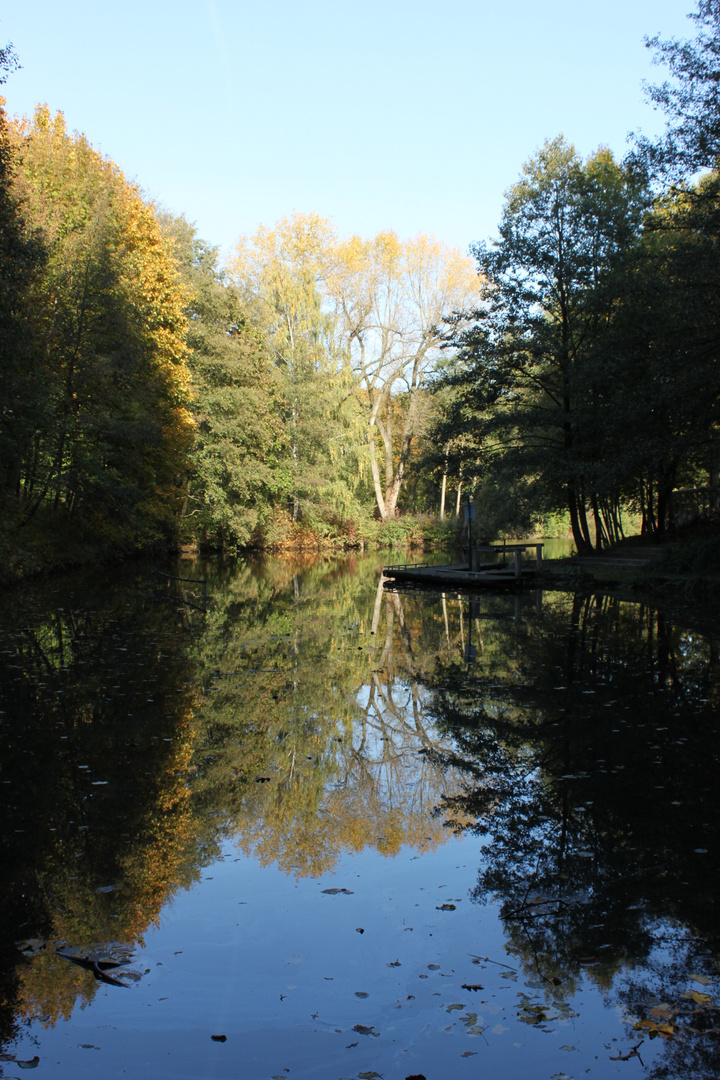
[390, 298]
[689, 98]
[21, 258]
[113, 427]
[282, 273]
[532, 361]
[237, 462]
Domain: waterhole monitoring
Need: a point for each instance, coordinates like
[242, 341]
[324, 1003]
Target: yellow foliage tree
[111, 419]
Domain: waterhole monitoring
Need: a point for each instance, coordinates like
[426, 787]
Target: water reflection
[137, 735]
[589, 737]
[310, 713]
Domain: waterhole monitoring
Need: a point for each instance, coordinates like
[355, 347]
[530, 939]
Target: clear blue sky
[413, 115]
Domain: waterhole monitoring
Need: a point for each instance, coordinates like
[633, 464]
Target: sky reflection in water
[181, 790]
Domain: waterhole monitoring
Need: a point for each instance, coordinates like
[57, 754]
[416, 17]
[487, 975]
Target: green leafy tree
[281, 273]
[238, 462]
[532, 362]
[689, 99]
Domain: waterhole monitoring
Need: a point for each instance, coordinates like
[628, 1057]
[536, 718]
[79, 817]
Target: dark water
[355, 833]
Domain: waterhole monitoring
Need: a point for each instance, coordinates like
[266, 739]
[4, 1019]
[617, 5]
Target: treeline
[317, 386]
[149, 394]
[588, 381]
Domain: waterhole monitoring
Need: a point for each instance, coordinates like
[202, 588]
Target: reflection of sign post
[469, 510]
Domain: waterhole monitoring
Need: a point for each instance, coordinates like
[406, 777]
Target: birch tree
[389, 298]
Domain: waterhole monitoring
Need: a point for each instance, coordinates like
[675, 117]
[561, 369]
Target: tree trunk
[581, 543]
[443, 489]
[457, 501]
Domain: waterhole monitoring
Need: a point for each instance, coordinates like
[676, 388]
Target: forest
[319, 389]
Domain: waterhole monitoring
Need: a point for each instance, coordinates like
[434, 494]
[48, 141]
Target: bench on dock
[505, 548]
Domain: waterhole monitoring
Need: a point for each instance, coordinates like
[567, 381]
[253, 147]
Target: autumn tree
[282, 274]
[111, 426]
[389, 298]
[21, 258]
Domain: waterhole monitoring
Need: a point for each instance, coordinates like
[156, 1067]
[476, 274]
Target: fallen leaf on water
[654, 1028]
[471, 986]
[362, 1029]
[394, 963]
[697, 997]
[369, 1075]
[334, 892]
[361, 994]
[31, 1064]
[359, 930]
[662, 1011]
[452, 1008]
[445, 907]
[468, 1053]
[219, 1038]
[433, 967]
[703, 979]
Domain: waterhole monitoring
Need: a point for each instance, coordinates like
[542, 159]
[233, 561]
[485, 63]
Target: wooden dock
[473, 574]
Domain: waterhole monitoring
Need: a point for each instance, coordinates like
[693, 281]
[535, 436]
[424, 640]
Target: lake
[325, 830]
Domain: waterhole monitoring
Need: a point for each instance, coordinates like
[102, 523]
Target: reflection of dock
[475, 575]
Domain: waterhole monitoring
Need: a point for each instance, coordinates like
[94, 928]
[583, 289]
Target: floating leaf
[361, 994]
[662, 1012]
[471, 986]
[334, 892]
[31, 1064]
[219, 1038]
[655, 1028]
[394, 963]
[433, 967]
[369, 1075]
[702, 979]
[445, 907]
[696, 996]
[362, 1029]
[452, 1008]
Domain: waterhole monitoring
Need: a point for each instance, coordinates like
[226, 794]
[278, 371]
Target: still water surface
[323, 830]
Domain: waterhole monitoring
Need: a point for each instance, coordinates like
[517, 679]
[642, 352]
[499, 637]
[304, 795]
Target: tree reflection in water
[137, 736]
[309, 713]
[589, 739]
